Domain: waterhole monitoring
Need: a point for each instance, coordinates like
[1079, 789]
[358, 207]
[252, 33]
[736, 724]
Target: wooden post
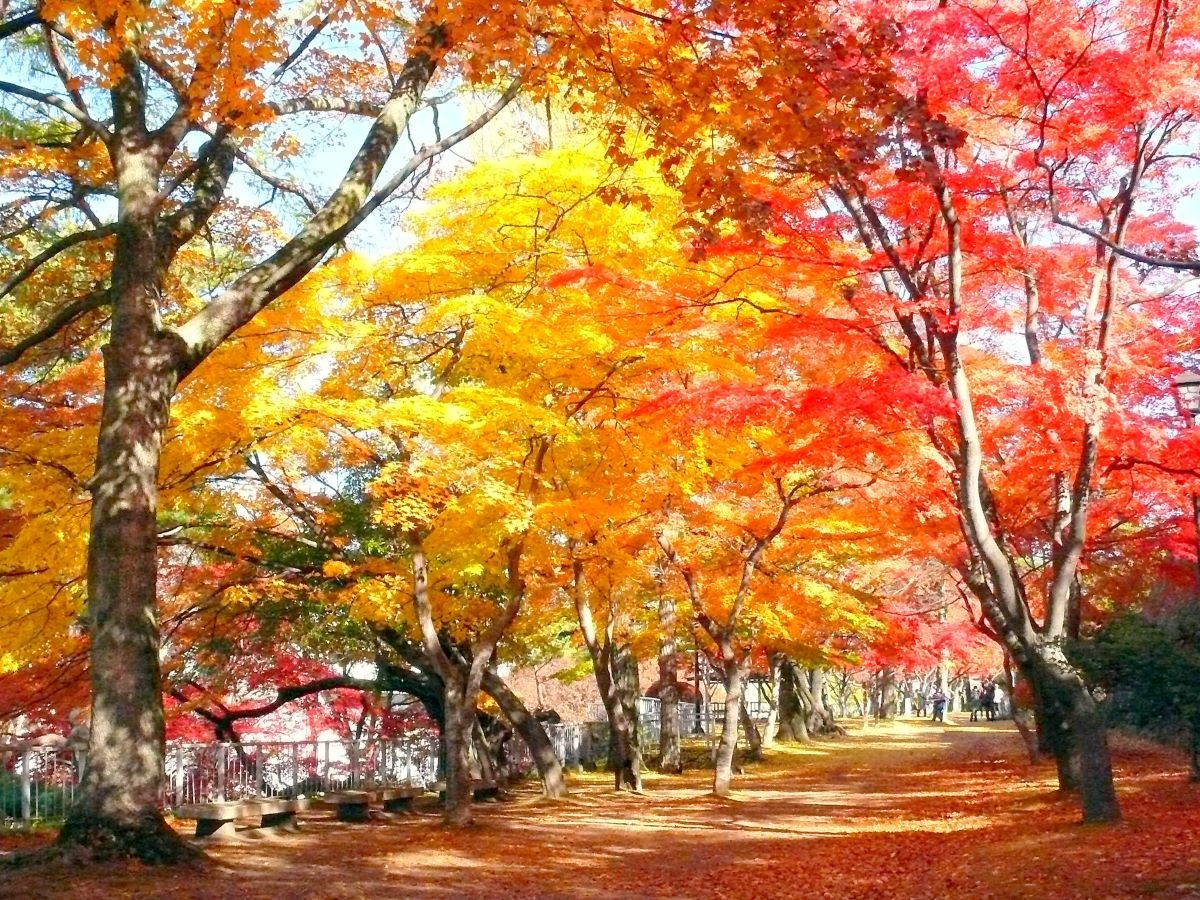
[355, 773]
[258, 770]
[295, 770]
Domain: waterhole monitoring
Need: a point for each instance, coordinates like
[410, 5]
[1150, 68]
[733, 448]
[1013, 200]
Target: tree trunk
[1054, 729]
[820, 720]
[793, 725]
[1096, 790]
[486, 758]
[625, 754]
[723, 761]
[116, 813]
[670, 757]
[554, 783]
[753, 739]
[458, 736]
[1075, 729]
[771, 726]
[626, 743]
[887, 694]
[1083, 743]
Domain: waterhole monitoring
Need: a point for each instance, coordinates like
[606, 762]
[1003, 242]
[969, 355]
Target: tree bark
[670, 757]
[116, 813]
[727, 745]
[628, 743]
[793, 717]
[462, 681]
[820, 720]
[625, 754]
[753, 738]
[887, 694]
[554, 782]
[457, 737]
[771, 726]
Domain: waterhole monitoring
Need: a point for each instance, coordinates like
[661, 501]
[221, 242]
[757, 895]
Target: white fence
[39, 783]
[36, 783]
[199, 773]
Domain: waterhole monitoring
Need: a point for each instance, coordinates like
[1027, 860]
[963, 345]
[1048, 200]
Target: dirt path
[903, 811]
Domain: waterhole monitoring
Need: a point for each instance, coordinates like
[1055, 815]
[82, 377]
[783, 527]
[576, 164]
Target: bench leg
[209, 827]
[398, 804]
[352, 812]
[282, 821]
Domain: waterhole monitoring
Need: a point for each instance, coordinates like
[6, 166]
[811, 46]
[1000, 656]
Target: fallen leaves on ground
[906, 810]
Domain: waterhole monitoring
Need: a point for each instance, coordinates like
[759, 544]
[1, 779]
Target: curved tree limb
[59, 246]
[61, 320]
[1162, 262]
[58, 103]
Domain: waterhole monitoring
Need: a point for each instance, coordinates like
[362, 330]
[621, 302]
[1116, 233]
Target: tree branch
[61, 320]
[201, 334]
[1179, 265]
[58, 103]
[59, 246]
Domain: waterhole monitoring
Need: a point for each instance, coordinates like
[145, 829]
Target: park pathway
[901, 810]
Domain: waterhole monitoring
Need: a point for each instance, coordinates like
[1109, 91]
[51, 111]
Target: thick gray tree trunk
[771, 726]
[625, 752]
[457, 735]
[820, 720]
[753, 738]
[886, 705]
[116, 812]
[626, 743]
[793, 716]
[670, 757]
[550, 771]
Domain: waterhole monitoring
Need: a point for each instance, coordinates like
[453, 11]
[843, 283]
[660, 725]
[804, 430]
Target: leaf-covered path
[907, 810]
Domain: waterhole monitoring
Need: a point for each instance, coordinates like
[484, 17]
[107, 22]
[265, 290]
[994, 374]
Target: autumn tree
[967, 212]
[155, 105]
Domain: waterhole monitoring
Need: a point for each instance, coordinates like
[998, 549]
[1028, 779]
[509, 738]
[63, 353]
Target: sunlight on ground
[900, 810]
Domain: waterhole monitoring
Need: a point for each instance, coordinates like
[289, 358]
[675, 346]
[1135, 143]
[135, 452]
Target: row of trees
[909, 354]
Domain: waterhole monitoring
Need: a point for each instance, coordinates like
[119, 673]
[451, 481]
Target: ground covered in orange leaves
[906, 810]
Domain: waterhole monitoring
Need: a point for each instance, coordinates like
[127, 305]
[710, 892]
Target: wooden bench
[349, 806]
[484, 789]
[481, 789]
[212, 817]
[399, 799]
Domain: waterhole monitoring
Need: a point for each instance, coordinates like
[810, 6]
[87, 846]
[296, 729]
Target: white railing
[199, 773]
[38, 783]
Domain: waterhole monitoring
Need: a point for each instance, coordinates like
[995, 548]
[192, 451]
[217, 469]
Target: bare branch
[19, 23]
[1179, 265]
[59, 246]
[61, 320]
[57, 103]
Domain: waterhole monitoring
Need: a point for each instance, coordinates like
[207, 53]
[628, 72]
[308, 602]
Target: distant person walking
[975, 698]
[939, 705]
[989, 700]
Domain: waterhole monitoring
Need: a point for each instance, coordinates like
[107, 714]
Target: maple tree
[828, 335]
[983, 147]
[129, 87]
